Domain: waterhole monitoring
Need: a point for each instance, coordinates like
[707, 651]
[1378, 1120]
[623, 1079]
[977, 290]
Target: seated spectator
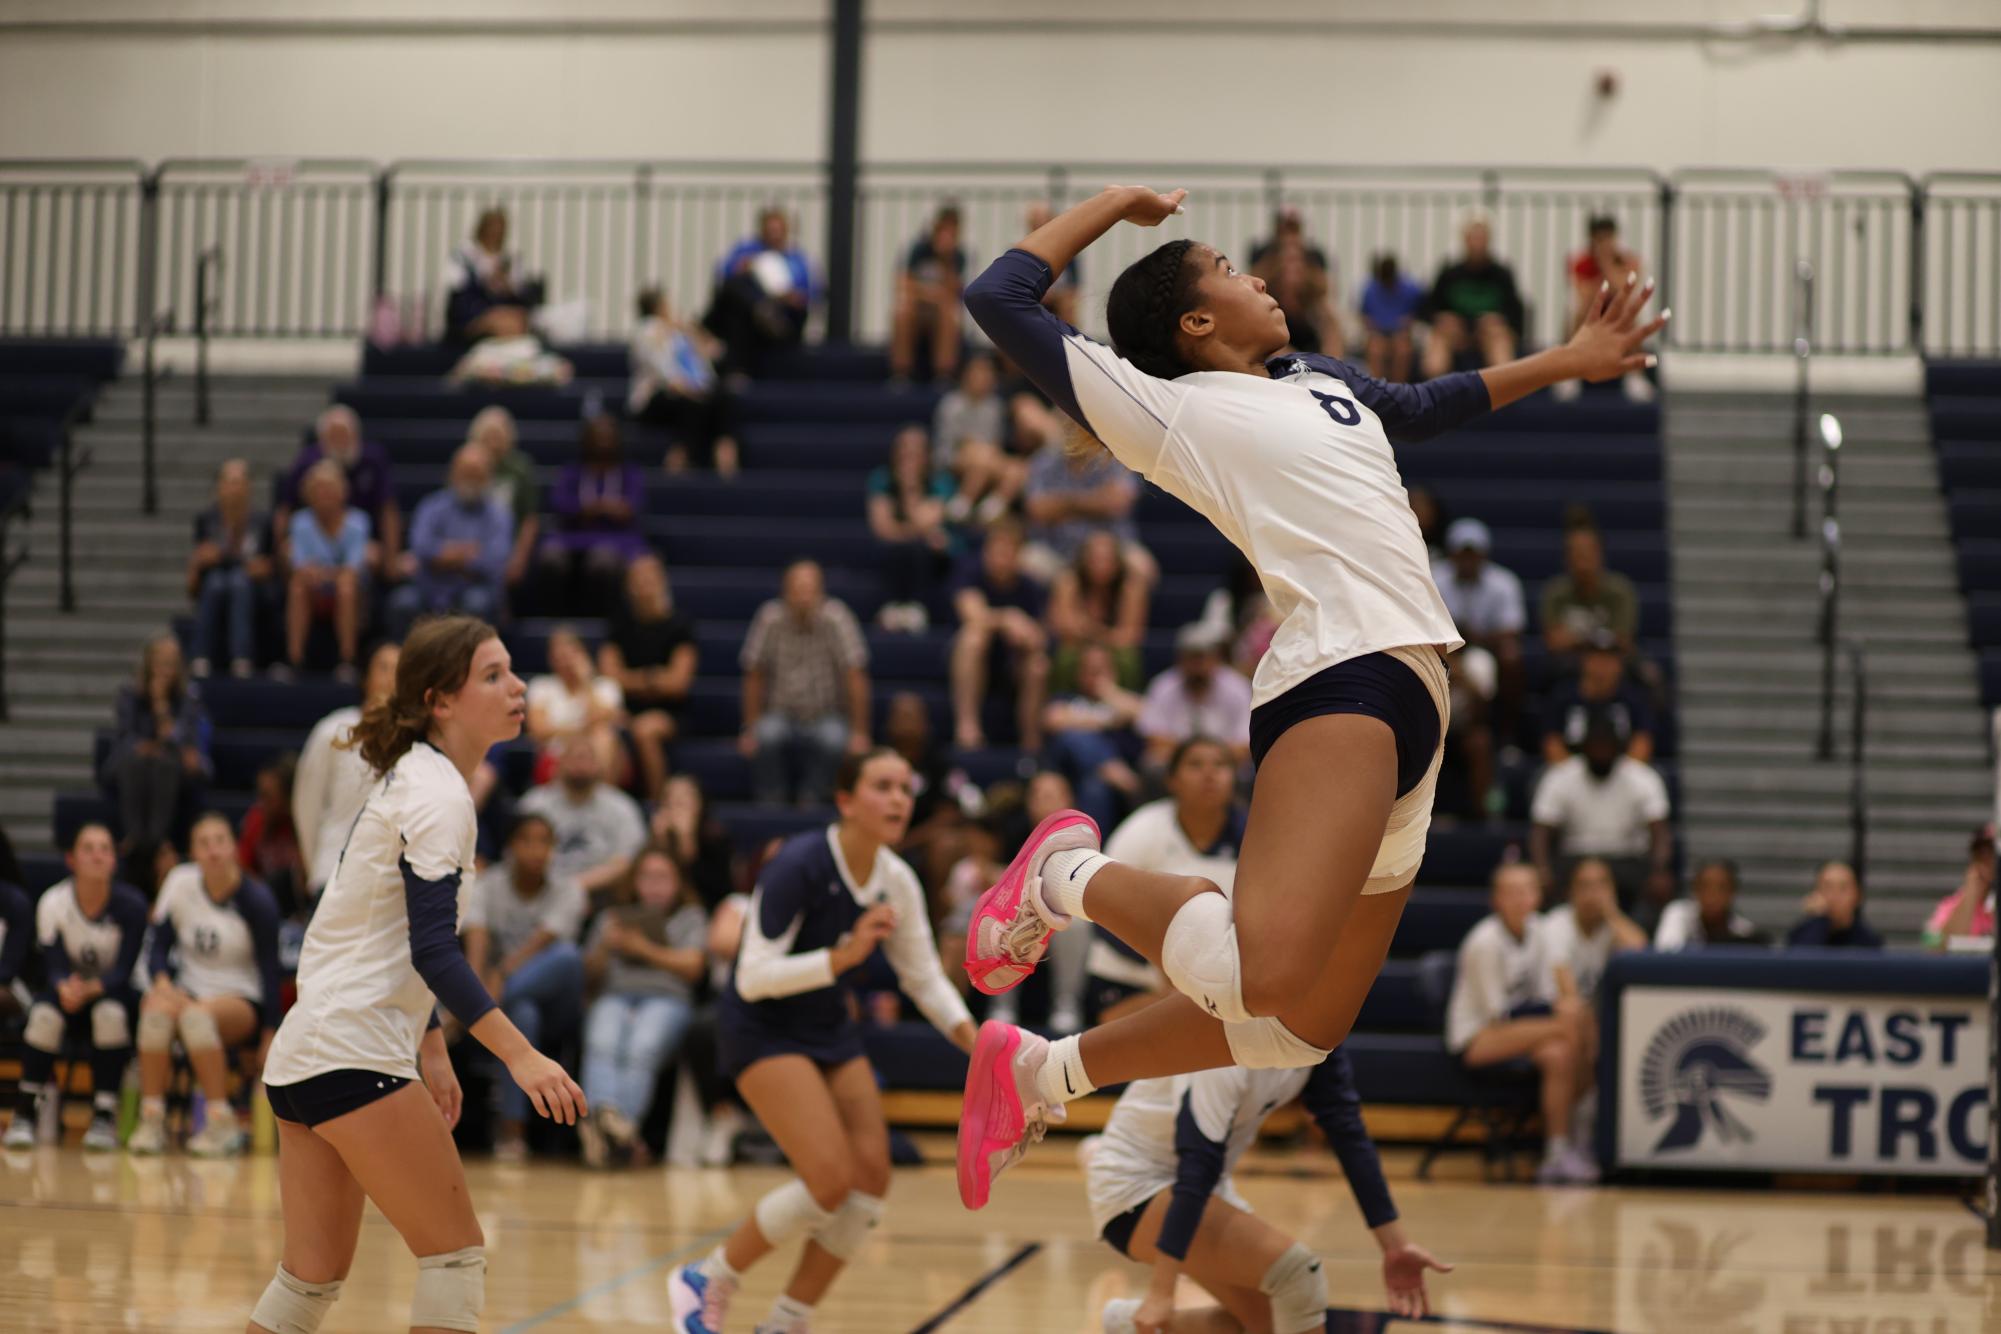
[215, 988]
[1834, 912]
[332, 780]
[651, 654]
[1486, 603]
[1473, 304]
[805, 690]
[1061, 298]
[515, 484]
[1389, 311]
[595, 534]
[1603, 260]
[971, 434]
[230, 563]
[1585, 599]
[1708, 916]
[89, 927]
[268, 847]
[1580, 936]
[1197, 696]
[1296, 274]
[1091, 736]
[1967, 914]
[696, 840]
[710, 1140]
[645, 955]
[573, 702]
[598, 829]
[1501, 1011]
[935, 786]
[328, 553]
[520, 927]
[158, 764]
[1001, 648]
[978, 867]
[906, 516]
[1600, 690]
[1074, 489]
[1599, 803]
[364, 465]
[1097, 599]
[675, 386]
[461, 539]
[485, 297]
[928, 311]
[764, 291]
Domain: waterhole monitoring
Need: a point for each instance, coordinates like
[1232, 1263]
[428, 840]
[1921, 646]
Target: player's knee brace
[1199, 956]
[293, 1306]
[198, 1030]
[1267, 1044]
[156, 1031]
[44, 1031]
[788, 1212]
[851, 1223]
[1297, 1287]
[110, 1025]
[451, 1290]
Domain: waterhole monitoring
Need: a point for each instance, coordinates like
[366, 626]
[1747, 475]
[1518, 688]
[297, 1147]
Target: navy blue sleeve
[434, 945]
[1198, 1166]
[1331, 1099]
[1006, 302]
[784, 889]
[1411, 412]
[19, 915]
[260, 910]
[160, 949]
[128, 909]
[434, 1022]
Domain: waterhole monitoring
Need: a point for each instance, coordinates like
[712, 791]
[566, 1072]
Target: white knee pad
[852, 1222]
[1267, 1044]
[45, 1028]
[788, 1212]
[451, 1290]
[198, 1030]
[156, 1031]
[1298, 1290]
[1199, 956]
[110, 1025]
[293, 1306]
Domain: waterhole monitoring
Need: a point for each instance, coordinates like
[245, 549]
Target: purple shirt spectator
[582, 485]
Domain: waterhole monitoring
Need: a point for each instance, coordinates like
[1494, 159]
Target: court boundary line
[978, 1286]
[614, 1283]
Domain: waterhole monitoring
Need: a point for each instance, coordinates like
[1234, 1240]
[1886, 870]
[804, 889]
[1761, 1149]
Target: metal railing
[1858, 761]
[72, 241]
[1830, 574]
[11, 560]
[68, 464]
[207, 263]
[1802, 376]
[1958, 264]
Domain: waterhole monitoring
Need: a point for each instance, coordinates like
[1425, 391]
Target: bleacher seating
[42, 382]
[1965, 398]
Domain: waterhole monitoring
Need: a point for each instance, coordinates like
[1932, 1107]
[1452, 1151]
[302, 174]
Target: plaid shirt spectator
[805, 662]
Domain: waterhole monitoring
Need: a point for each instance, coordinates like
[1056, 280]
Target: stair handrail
[1830, 573]
[1802, 362]
[10, 561]
[1858, 788]
[206, 262]
[68, 465]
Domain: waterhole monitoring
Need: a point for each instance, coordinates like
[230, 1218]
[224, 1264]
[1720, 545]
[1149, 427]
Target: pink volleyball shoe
[1002, 1115]
[1011, 922]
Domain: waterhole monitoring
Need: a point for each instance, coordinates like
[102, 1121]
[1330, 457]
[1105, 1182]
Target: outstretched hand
[1607, 344]
[1144, 208]
[1403, 1280]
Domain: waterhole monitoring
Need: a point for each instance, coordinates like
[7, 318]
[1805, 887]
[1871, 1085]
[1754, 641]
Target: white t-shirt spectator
[1680, 927]
[1223, 713]
[1497, 975]
[591, 832]
[1565, 943]
[1152, 839]
[509, 918]
[1601, 819]
[565, 711]
[1491, 605]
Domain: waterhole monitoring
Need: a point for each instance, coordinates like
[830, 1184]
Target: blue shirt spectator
[460, 540]
[1390, 307]
[345, 547]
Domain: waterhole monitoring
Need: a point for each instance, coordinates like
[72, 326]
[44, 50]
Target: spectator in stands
[931, 835]
[675, 386]
[485, 297]
[1473, 305]
[230, 562]
[1389, 311]
[329, 556]
[1501, 1010]
[1198, 696]
[1485, 599]
[1001, 647]
[370, 489]
[805, 690]
[906, 516]
[520, 927]
[572, 702]
[332, 781]
[597, 504]
[695, 839]
[1599, 803]
[971, 415]
[645, 955]
[1297, 275]
[1091, 736]
[1603, 260]
[978, 866]
[764, 291]
[158, 764]
[515, 484]
[1600, 690]
[1062, 297]
[268, 847]
[651, 654]
[929, 312]
[1587, 598]
[1076, 488]
[1967, 914]
[1834, 912]
[1708, 916]
[461, 538]
[598, 829]
[1097, 599]
[1582, 934]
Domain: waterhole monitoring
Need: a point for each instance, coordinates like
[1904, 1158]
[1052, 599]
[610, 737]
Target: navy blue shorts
[1374, 684]
[324, 1097]
[1118, 1233]
[742, 1042]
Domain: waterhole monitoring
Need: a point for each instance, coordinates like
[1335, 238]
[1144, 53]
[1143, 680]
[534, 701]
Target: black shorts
[1374, 684]
[324, 1097]
[1118, 1233]
[742, 1042]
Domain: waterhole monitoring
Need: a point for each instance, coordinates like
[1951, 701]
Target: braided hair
[1146, 305]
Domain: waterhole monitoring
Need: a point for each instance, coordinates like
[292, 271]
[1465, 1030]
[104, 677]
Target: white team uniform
[1152, 839]
[327, 793]
[1498, 973]
[218, 956]
[93, 945]
[362, 1005]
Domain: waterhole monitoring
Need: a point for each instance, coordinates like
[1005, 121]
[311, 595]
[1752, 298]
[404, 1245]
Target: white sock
[717, 1268]
[785, 1312]
[1064, 876]
[1552, 1148]
[1062, 1076]
[153, 1109]
[222, 1114]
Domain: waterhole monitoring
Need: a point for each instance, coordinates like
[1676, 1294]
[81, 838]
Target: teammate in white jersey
[332, 781]
[1290, 457]
[213, 956]
[381, 954]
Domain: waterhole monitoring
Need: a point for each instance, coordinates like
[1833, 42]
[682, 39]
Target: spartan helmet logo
[1693, 1066]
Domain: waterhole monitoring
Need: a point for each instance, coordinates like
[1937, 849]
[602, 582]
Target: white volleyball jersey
[1152, 839]
[213, 944]
[361, 1004]
[327, 793]
[103, 948]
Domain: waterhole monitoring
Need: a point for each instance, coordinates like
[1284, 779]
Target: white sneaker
[1119, 1313]
[590, 1134]
[699, 1303]
[149, 1137]
[21, 1134]
[102, 1137]
[220, 1138]
[1581, 1166]
[719, 1141]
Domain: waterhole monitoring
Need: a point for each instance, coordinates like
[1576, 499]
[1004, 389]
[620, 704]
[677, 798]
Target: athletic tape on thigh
[290, 1305]
[156, 1031]
[788, 1212]
[851, 1224]
[1199, 956]
[1297, 1287]
[198, 1030]
[110, 1025]
[451, 1290]
[44, 1031]
[1267, 1044]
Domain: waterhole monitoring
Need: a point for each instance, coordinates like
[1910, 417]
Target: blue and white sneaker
[699, 1303]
